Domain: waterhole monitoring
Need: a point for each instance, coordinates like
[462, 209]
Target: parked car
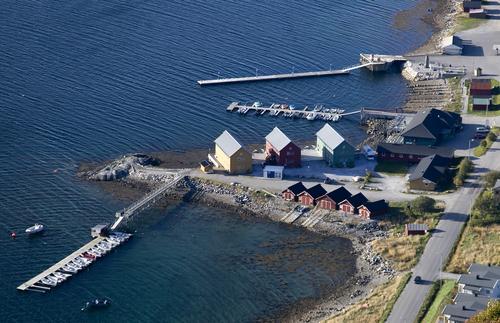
[417, 280]
[484, 129]
[480, 135]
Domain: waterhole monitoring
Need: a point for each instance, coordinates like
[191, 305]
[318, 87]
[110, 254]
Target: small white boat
[311, 116]
[69, 269]
[75, 265]
[35, 229]
[48, 281]
[61, 275]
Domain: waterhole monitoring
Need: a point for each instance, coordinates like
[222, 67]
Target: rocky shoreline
[371, 269]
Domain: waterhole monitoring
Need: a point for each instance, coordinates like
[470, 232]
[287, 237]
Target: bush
[464, 168]
[486, 211]
[491, 136]
[422, 205]
[490, 314]
[491, 177]
[484, 143]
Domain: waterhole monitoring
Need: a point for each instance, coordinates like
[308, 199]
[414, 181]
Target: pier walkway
[148, 199]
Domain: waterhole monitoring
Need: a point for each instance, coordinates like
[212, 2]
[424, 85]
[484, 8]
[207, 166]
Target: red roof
[480, 84]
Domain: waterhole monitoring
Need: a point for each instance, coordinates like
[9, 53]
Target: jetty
[105, 239]
[317, 112]
[272, 77]
[149, 199]
[76, 261]
[373, 62]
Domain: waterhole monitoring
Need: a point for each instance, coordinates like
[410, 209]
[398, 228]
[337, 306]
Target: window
[411, 156]
[392, 155]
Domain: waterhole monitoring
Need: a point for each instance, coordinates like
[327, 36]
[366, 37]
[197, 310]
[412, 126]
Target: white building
[452, 45]
[275, 172]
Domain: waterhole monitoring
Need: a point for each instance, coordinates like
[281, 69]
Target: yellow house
[231, 155]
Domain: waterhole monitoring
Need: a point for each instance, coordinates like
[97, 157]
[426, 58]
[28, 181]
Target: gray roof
[417, 227]
[430, 123]
[479, 280]
[416, 150]
[431, 168]
[228, 143]
[470, 298]
[330, 137]
[479, 268]
[278, 139]
[460, 312]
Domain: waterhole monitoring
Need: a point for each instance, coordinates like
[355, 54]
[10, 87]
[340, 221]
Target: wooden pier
[36, 284]
[309, 113]
[272, 77]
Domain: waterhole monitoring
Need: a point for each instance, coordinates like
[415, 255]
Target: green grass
[481, 150]
[456, 104]
[444, 296]
[390, 304]
[398, 168]
[464, 23]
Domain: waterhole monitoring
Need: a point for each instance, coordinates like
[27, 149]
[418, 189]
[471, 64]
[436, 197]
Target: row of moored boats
[83, 260]
[290, 111]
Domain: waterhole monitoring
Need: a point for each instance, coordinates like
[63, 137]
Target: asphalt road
[442, 240]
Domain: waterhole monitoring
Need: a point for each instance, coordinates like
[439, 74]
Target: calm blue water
[90, 80]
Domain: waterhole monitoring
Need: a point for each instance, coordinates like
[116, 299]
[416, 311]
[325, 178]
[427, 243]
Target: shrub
[484, 143]
[464, 168]
[422, 205]
[489, 314]
[491, 177]
[486, 210]
[491, 136]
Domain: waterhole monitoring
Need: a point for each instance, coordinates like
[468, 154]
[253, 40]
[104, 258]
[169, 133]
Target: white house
[452, 45]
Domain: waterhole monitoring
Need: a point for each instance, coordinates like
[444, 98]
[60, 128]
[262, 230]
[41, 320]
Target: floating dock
[36, 284]
[272, 77]
[315, 113]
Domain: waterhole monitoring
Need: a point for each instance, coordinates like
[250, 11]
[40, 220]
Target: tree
[490, 314]
[422, 205]
[484, 143]
[491, 136]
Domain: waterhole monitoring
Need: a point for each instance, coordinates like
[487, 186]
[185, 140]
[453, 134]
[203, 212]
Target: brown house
[370, 209]
[430, 173]
[332, 199]
[480, 87]
[351, 204]
[292, 192]
[309, 196]
[280, 150]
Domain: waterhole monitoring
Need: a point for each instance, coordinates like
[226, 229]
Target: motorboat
[96, 304]
[37, 228]
[61, 275]
[69, 269]
[104, 246]
[57, 279]
[311, 116]
[112, 242]
[48, 281]
[88, 255]
[75, 265]
[96, 251]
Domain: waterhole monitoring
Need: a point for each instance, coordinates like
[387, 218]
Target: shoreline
[370, 270]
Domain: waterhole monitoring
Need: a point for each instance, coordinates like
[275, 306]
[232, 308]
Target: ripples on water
[90, 80]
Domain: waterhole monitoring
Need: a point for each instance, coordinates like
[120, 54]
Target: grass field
[480, 150]
[477, 244]
[464, 23]
[391, 167]
[377, 306]
[444, 296]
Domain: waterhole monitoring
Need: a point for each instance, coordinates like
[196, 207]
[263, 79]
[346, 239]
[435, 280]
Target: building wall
[479, 107]
[480, 92]
[306, 199]
[326, 203]
[419, 141]
[346, 207]
[239, 163]
[342, 154]
[289, 196]
[399, 157]
[289, 156]
[452, 50]
[364, 213]
[422, 185]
